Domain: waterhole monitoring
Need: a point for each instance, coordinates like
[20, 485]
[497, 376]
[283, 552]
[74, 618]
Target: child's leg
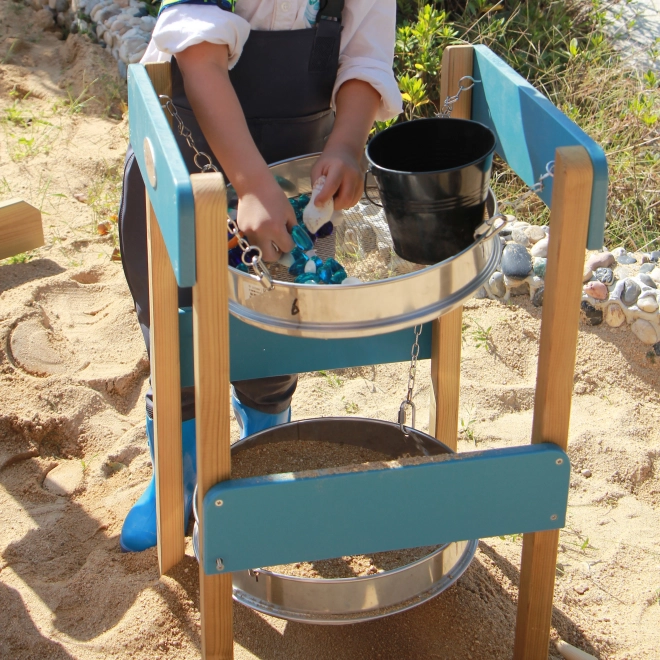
[267, 395]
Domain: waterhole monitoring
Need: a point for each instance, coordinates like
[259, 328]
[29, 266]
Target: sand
[73, 456]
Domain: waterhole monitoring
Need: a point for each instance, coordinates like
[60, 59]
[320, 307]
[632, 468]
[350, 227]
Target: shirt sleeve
[183, 25]
[367, 51]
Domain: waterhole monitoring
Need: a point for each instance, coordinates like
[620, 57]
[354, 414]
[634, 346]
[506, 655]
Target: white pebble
[352, 280]
[310, 267]
[647, 304]
[315, 217]
[586, 473]
[644, 331]
[286, 260]
[617, 252]
[540, 249]
[614, 316]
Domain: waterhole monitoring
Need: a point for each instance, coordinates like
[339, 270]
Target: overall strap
[328, 34]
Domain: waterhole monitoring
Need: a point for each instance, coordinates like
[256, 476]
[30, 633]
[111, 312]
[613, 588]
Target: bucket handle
[489, 228]
[366, 194]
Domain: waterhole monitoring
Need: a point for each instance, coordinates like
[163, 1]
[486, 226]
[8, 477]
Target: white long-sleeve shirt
[367, 40]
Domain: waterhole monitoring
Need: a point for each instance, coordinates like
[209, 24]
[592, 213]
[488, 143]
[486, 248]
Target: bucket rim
[433, 119]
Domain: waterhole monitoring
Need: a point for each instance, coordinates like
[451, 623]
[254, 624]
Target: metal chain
[252, 255]
[408, 401]
[449, 102]
[535, 189]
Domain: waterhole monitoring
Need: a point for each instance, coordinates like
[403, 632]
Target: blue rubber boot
[139, 530]
[252, 421]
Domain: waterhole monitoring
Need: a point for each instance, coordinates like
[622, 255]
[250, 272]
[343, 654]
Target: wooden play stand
[531, 132]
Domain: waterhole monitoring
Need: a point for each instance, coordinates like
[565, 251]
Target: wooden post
[571, 203]
[211, 348]
[166, 385]
[446, 342]
[20, 228]
[165, 378]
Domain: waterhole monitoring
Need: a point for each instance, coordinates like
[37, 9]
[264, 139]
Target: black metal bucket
[433, 176]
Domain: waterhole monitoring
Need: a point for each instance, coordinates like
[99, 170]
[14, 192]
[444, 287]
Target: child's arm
[357, 106]
[263, 211]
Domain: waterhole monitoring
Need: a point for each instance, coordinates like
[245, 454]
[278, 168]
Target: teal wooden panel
[283, 518]
[172, 198]
[529, 128]
[256, 353]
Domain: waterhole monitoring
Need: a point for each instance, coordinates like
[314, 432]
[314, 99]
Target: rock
[496, 284]
[534, 233]
[540, 264]
[137, 56]
[617, 252]
[481, 293]
[44, 19]
[586, 473]
[655, 275]
[351, 280]
[604, 275]
[587, 274]
[581, 589]
[148, 23]
[647, 268]
[647, 304]
[65, 479]
[655, 256]
[600, 260]
[519, 236]
[645, 258]
[384, 252]
[59, 5]
[516, 261]
[622, 272]
[630, 292]
[121, 67]
[592, 315]
[644, 331]
[537, 297]
[645, 278]
[597, 290]
[626, 259]
[656, 348]
[518, 224]
[540, 249]
[614, 316]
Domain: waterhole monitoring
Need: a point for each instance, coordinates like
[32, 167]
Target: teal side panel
[172, 197]
[279, 519]
[256, 353]
[529, 128]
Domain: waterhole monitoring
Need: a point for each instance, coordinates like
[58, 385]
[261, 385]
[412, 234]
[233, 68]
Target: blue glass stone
[298, 267]
[334, 265]
[297, 253]
[339, 277]
[325, 274]
[318, 261]
[301, 238]
[325, 230]
[308, 278]
[243, 267]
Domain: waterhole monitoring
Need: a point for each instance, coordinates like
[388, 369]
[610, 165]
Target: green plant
[482, 338]
[21, 258]
[332, 379]
[467, 427]
[350, 407]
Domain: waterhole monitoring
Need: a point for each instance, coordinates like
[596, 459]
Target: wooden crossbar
[384, 506]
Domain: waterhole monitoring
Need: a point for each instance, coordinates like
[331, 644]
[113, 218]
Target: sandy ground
[73, 372]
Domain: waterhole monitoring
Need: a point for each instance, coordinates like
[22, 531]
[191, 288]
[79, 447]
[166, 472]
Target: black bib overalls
[284, 82]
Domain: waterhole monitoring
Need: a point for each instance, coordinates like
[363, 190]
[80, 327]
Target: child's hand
[264, 213]
[344, 178]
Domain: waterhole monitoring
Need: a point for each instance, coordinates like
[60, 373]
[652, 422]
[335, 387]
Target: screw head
[219, 564]
[219, 502]
[553, 516]
[559, 461]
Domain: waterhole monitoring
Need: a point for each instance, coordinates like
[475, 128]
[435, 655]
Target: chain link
[412, 372]
[252, 255]
[449, 102]
[538, 187]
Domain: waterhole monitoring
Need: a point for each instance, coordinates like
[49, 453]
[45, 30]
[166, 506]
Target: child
[271, 80]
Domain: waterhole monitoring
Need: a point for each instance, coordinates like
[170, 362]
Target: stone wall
[122, 26]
